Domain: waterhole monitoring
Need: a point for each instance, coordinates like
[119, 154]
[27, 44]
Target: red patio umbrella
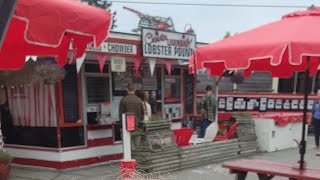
[289, 45]
[47, 27]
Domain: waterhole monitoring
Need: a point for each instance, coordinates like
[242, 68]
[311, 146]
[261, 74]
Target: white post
[126, 140]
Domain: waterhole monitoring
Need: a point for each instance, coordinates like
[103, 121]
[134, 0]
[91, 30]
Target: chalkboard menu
[70, 95]
[188, 92]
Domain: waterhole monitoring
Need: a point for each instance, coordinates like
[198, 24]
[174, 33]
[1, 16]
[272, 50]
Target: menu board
[142, 81]
[294, 104]
[286, 104]
[121, 80]
[252, 104]
[149, 83]
[222, 104]
[310, 104]
[301, 104]
[188, 93]
[239, 103]
[263, 104]
[279, 103]
[271, 104]
[229, 103]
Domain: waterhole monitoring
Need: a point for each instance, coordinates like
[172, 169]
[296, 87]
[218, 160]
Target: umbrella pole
[305, 109]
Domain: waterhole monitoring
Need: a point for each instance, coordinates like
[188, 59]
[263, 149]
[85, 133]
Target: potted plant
[48, 71]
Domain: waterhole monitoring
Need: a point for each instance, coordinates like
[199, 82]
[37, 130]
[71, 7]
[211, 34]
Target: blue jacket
[316, 110]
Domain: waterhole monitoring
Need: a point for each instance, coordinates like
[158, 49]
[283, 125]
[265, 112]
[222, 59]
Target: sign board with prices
[279, 104]
[229, 104]
[294, 104]
[116, 48]
[263, 104]
[240, 103]
[253, 104]
[167, 45]
[222, 104]
[271, 104]
[118, 64]
[286, 104]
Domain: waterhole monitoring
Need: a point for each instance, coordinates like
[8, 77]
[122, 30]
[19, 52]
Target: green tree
[104, 4]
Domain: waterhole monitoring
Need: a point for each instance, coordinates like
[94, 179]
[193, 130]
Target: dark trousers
[204, 124]
[316, 126]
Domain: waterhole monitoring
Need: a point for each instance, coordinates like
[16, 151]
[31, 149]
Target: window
[257, 82]
[301, 83]
[286, 85]
[172, 86]
[98, 89]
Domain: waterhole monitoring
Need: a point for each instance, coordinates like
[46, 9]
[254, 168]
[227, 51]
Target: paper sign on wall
[271, 103]
[118, 64]
[263, 104]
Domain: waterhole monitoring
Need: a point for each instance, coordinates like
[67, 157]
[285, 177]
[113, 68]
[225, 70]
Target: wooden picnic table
[318, 154]
[266, 170]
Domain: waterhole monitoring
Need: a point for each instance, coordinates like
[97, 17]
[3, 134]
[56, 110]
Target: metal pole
[303, 140]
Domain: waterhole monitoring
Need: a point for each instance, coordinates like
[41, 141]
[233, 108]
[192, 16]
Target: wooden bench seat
[267, 170]
[318, 154]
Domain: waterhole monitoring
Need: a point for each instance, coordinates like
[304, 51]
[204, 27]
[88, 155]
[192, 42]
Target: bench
[266, 170]
[318, 154]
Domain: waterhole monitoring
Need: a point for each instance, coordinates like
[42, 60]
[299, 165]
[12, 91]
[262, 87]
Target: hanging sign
[167, 45]
[117, 48]
[118, 64]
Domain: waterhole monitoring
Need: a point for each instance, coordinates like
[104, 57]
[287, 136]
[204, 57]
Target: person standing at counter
[208, 110]
[132, 104]
[316, 120]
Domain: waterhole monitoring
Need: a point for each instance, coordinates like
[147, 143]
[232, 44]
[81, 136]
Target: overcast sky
[209, 23]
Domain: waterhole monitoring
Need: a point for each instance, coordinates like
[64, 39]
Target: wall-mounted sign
[229, 104]
[167, 45]
[287, 104]
[117, 48]
[263, 104]
[301, 104]
[253, 104]
[271, 104]
[310, 104]
[279, 104]
[240, 103]
[222, 104]
[294, 104]
[118, 64]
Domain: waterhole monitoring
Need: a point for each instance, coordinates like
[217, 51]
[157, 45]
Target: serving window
[172, 86]
[98, 94]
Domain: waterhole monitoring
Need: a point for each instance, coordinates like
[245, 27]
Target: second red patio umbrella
[289, 45]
